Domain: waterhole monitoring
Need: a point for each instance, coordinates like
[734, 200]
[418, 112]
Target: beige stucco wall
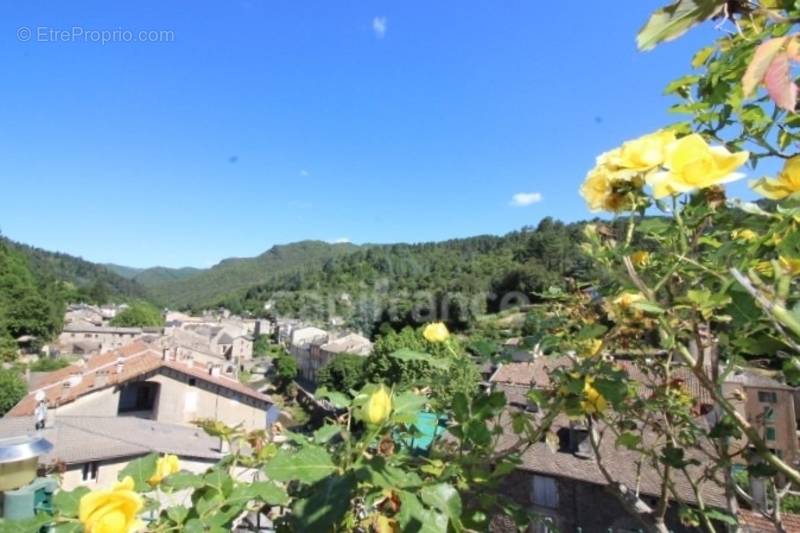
[178, 403]
[110, 341]
[103, 402]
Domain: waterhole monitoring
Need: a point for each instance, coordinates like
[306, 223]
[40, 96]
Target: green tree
[285, 370]
[139, 314]
[48, 364]
[460, 376]
[343, 373]
[12, 390]
[8, 348]
[261, 346]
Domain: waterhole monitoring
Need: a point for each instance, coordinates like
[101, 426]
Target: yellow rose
[790, 265]
[692, 164]
[593, 401]
[436, 332]
[627, 299]
[644, 153]
[378, 406]
[747, 235]
[786, 184]
[640, 258]
[165, 466]
[111, 511]
[601, 189]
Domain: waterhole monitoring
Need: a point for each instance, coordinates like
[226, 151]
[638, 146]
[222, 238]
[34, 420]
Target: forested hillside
[404, 284]
[150, 277]
[30, 303]
[231, 275]
[89, 281]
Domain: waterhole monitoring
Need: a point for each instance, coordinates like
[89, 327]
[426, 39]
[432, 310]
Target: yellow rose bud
[593, 401]
[746, 235]
[111, 511]
[640, 258]
[436, 332]
[165, 466]
[378, 407]
[786, 184]
[692, 164]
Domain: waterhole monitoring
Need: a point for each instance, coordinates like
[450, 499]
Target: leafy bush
[48, 364]
[12, 390]
[343, 373]
[285, 370]
[139, 315]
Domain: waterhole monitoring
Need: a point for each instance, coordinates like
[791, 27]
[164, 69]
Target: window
[89, 472]
[767, 397]
[545, 491]
[770, 433]
[769, 414]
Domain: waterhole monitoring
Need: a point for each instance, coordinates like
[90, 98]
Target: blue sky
[264, 122]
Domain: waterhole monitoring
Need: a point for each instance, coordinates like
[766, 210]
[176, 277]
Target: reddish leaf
[762, 59]
[780, 86]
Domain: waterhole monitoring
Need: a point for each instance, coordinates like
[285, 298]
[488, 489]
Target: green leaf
[672, 21]
[413, 516]
[649, 307]
[194, 526]
[791, 370]
[309, 464]
[445, 498]
[628, 440]
[271, 493]
[460, 407]
[140, 470]
[591, 331]
[67, 502]
[378, 472]
[721, 516]
[177, 513]
[327, 503]
[411, 355]
[326, 433]
[406, 406]
[339, 400]
[183, 480]
[702, 55]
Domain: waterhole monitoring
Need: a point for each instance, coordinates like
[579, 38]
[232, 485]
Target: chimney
[120, 365]
[579, 442]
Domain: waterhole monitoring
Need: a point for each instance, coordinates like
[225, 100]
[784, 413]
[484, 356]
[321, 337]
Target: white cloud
[304, 173]
[341, 240]
[521, 199]
[379, 26]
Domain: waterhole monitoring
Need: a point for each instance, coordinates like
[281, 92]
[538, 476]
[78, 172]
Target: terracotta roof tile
[753, 522]
[137, 358]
